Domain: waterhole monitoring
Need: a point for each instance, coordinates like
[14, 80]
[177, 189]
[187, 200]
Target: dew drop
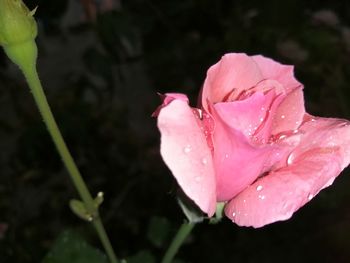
[282, 116]
[204, 161]
[262, 197]
[226, 155]
[259, 188]
[290, 159]
[233, 214]
[187, 149]
[200, 113]
[310, 196]
[282, 137]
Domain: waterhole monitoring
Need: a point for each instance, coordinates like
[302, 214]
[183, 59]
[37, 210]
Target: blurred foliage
[102, 78]
[69, 247]
[159, 231]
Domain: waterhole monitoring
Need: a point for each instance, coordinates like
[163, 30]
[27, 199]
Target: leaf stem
[178, 240]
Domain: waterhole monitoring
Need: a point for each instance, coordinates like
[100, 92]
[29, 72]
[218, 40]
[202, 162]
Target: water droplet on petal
[259, 188]
[233, 214]
[204, 161]
[282, 136]
[200, 113]
[290, 159]
[282, 116]
[310, 196]
[187, 149]
[262, 197]
[226, 155]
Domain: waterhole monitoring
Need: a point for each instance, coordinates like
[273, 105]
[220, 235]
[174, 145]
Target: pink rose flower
[250, 143]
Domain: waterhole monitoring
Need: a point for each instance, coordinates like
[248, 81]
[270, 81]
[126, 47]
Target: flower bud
[18, 30]
[17, 24]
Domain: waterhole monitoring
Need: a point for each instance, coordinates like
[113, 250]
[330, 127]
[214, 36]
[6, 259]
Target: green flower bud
[18, 31]
[16, 23]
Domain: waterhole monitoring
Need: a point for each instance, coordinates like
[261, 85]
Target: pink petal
[271, 69]
[325, 133]
[289, 114]
[233, 74]
[185, 151]
[246, 115]
[322, 154]
[237, 162]
[167, 98]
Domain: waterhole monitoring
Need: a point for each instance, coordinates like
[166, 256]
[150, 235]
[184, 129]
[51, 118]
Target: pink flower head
[250, 142]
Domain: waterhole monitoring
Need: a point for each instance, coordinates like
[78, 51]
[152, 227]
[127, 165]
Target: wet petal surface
[233, 74]
[237, 162]
[314, 164]
[185, 150]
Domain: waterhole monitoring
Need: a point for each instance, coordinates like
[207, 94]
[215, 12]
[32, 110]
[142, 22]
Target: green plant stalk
[31, 75]
[178, 240]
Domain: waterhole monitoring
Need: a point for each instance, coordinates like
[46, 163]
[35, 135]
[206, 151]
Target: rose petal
[233, 74]
[325, 133]
[167, 98]
[249, 115]
[323, 152]
[186, 153]
[237, 162]
[271, 69]
[289, 114]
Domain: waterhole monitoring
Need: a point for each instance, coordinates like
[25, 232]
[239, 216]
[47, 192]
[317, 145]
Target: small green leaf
[158, 231]
[99, 199]
[69, 247]
[79, 209]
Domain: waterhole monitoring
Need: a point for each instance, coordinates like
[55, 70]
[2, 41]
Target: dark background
[102, 80]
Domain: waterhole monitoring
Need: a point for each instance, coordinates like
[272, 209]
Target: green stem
[180, 237]
[39, 96]
[105, 240]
